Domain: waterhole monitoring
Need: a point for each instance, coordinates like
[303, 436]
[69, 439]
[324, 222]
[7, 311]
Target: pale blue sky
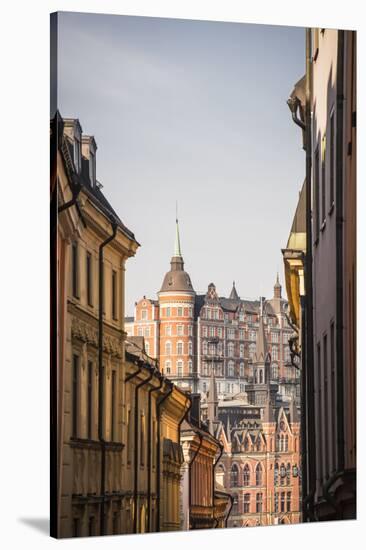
[194, 112]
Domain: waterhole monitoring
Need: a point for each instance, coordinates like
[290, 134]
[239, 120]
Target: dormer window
[92, 168]
[77, 153]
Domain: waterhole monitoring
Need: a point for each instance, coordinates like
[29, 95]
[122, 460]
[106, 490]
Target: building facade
[117, 453]
[189, 332]
[324, 106]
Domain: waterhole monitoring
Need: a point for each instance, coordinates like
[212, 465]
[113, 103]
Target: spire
[212, 402]
[177, 250]
[261, 351]
[277, 289]
[294, 415]
[268, 415]
[233, 293]
[228, 429]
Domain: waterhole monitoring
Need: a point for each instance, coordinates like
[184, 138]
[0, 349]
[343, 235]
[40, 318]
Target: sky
[194, 113]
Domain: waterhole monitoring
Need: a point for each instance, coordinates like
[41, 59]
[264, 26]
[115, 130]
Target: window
[89, 289]
[231, 368]
[168, 366]
[204, 348]
[75, 395]
[190, 365]
[282, 502]
[323, 179]
[230, 349]
[140, 331]
[241, 316]
[241, 334]
[144, 314]
[147, 348]
[276, 502]
[316, 195]
[212, 331]
[259, 502]
[92, 169]
[114, 294]
[252, 335]
[77, 153]
[259, 444]
[208, 311]
[190, 330]
[246, 476]
[258, 475]
[180, 367]
[275, 353]
[331, 161]
[275, 372]
[231, 333]
[179, 348]
[190, 348]
[219, 332]
[274, 336]
[129, 436]
[288, 507]
[261, 376]
[179, 312]
[90, 400]
[180, 330]
[282, 474]
[288, 473]
[234, 476]
[142, 439]
[286, 443]
[168, 330]
[168, 348]
[113, 404]
[167, 311]
[276, 474]
[147, 332]
[75, 270]
[246, 503]
[235, 508]
[251, 351]
[204, 332]
[241, 352]
[241, 370]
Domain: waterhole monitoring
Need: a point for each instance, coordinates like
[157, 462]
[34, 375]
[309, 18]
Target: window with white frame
[211, 331]
[179, 348]
[275, 337]
[252, 335]
[168, 348]
[241, 350]
[190, 330]
[180, 367]
[147, 348]
[168, 330]
[167, 311]
[241, 370]
[190, 365]
[231, 368]
[179, 312]
[241, 316]
[204, 347]
[168, 366]
[231, 333]
[180, 330]
[219, 332]
[274, 353]
[144, 314]
[241, 334]
[208, 310]
[230, 349]
[252, 351]
[190, 348]
[204, 332]
[140, 331]
[147, 332]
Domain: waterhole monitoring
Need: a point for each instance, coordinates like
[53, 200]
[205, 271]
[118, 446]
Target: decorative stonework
[83, 331]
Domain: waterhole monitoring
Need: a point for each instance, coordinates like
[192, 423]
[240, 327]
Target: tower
[176, 313]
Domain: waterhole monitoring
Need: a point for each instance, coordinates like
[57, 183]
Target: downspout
[231, 506]
[294, 104]
[213, 483]
[100, 375]
[136, 456]
[181, 420]
[339, 251]
[190, 477]
[158, 469]
[149, 461]
[310, 434]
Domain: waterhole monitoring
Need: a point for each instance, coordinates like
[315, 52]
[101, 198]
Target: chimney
[195, 411]
[89, 150]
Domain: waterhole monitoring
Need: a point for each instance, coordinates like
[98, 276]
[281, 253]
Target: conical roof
[261, 348]
[177, 279]
[233, 293]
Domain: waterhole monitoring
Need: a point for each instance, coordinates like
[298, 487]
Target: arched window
[246, 476]
[241, 370]
[276, 474]
[168, 348]
[234, 477]
[258, 475]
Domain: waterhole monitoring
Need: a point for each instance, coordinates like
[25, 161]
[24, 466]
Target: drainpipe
[339, 251]
[190, 479]
[229, 512]
[213, 483]
[137, 387]
[310, 435]
[294, 104]
[149, 461]
[101, 378]
[158, 413]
